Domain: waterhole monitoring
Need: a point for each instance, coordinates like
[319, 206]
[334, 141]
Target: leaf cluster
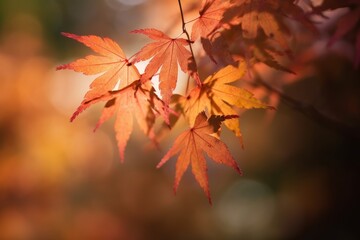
[235, 35]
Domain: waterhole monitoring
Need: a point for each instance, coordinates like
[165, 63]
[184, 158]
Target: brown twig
[184, 28]
[188, 37]
[310, 111]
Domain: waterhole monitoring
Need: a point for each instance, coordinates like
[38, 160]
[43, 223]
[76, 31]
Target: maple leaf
[136, 100]
[347, 23]
[253, 15]
[211, 14]
[295, 12]
[120, 87]
[111, 62]
[332, 5]
[166, 53]
[250, 50]
[219, 98]
[263, 52]
[192, 143]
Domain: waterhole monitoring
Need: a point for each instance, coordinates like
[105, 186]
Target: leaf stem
[192, 20]
[188, 38]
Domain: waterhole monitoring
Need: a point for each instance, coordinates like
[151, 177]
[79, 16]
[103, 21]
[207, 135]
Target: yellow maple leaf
[220, 98]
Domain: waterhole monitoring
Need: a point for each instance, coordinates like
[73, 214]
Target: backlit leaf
[166, 54]
[219, 98]
[119, 85]
[191, 145]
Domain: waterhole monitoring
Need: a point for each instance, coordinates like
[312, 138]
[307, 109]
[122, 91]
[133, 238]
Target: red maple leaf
[111, 62]
[192, 143]
[134, 101]
[211, 13]
[166, 53]
[347, 23]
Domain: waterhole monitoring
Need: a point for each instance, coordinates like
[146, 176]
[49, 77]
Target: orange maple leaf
[116, 70]
[136, 100]
[166, 53]
[120, 87]
[219, 98]
[211, 14]
[192, 143]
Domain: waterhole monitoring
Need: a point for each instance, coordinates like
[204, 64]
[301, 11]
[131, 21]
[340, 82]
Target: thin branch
[188, 37]
[310, 111]
[189, 7]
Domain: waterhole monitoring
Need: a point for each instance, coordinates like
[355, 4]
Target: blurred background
[59, 180]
